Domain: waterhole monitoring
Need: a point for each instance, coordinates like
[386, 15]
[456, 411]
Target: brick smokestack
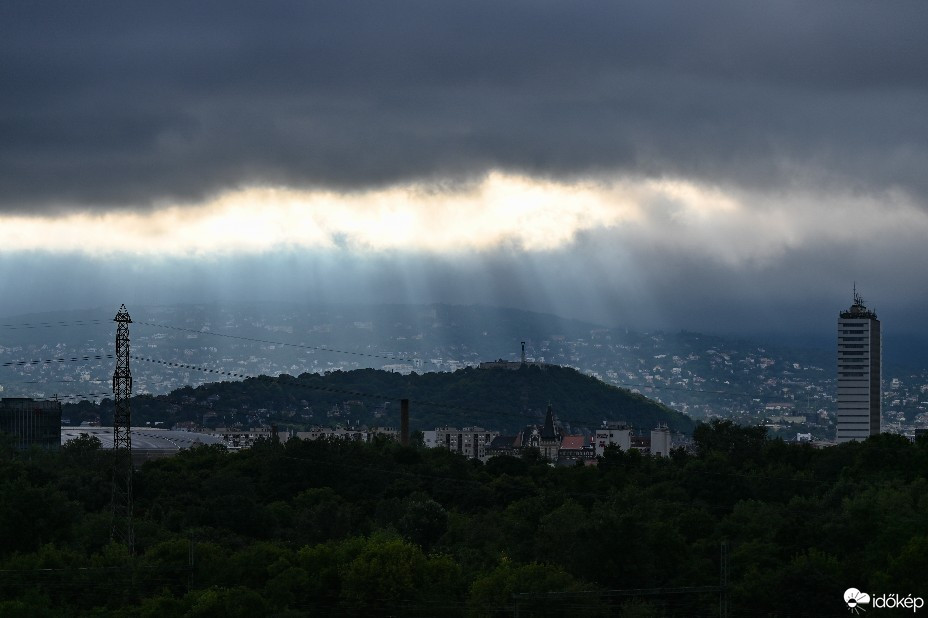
[404, 422]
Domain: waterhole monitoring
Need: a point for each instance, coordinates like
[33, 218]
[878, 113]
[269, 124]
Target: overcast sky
[715, 166]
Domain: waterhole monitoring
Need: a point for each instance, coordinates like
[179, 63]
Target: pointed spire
[549, 433]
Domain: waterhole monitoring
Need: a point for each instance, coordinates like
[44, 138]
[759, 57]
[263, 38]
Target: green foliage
[728, 439]
[501, 399]
[82, 445]
[32, 515]
[496, 593]
[375, 529]
[423, 521]
[237, 602]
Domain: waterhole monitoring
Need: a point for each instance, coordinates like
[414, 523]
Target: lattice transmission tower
[122, 439]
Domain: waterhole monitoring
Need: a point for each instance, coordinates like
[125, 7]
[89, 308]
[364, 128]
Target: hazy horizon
[900, 347]
[721, 167]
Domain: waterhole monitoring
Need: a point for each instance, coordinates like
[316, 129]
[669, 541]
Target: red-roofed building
[573, 443]
[575, 448]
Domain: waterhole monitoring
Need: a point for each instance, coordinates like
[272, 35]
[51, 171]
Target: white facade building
[624, 437]
[859, 373]
[430, 438]
[660, 441]
[613, 433]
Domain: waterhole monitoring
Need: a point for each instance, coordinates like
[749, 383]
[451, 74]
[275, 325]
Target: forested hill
[499, 399]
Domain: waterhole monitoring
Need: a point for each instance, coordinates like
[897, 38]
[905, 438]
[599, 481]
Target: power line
[78, 396]
[23, 363]
[367, 395]
[420, 361]
[69, 381]
[189, 366]
[329, 389]
[413, 360]
[291, 345]
[59, 382]
[683, 390]
[32, 325]
[48, 361]
[84, 395]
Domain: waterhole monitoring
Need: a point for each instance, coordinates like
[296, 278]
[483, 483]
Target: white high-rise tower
[859, 373]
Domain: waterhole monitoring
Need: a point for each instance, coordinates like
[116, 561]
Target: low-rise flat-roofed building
[356, 434]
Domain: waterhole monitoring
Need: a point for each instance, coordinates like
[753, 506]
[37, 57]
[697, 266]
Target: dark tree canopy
[377, 529]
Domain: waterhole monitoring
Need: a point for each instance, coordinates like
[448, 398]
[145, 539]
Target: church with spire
[547, 438]
[553, 446]
[549, 442]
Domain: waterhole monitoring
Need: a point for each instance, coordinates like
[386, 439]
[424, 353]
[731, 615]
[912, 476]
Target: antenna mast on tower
[858, 299]
[122, 438]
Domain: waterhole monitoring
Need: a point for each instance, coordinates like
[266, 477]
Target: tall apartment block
[859, 373]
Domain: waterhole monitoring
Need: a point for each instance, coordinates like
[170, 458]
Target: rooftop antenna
[857, 298]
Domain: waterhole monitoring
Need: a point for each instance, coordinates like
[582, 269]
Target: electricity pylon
[122, 439]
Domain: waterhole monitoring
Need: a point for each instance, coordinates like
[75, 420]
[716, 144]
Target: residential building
[660, 441]
[619, 434]
[469, 441]
[430, 438]
[859, 372]
[574, 449]
[356, 434]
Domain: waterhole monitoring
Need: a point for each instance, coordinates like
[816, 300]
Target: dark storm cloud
[107, 103]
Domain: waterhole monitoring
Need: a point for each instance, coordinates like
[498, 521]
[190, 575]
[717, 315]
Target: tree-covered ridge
[318, 527]
[501, 399]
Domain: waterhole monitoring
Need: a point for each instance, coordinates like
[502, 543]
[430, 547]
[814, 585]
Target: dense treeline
[500, 399]
[348, 528]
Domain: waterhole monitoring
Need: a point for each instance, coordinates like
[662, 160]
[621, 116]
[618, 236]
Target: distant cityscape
[793, 392]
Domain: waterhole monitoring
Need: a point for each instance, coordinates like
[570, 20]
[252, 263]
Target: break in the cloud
[502, 210]
[731, 228]
[606, 158]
